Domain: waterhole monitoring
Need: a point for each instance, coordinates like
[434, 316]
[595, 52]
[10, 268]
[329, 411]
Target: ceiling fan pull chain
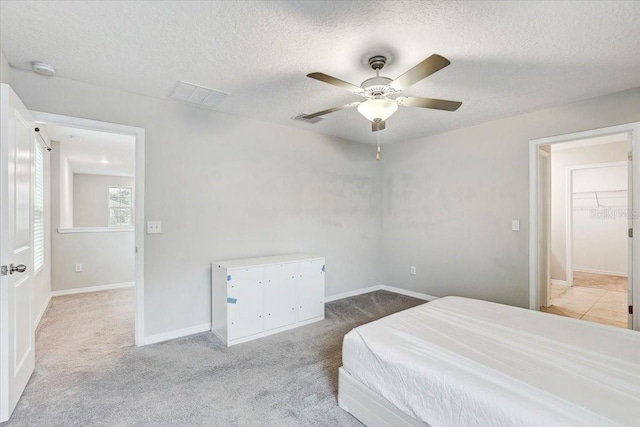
[378, 138]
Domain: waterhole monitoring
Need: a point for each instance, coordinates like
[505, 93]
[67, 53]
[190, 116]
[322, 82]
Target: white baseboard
[205, 327]
[380, 288]
[559, 282]
[178, 333]
[607, 273]
[43, 310]
[92, 289]
[401, 291]
[353, 293]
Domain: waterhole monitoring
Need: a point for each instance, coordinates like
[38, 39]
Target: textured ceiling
[96, 153]
[507, 57]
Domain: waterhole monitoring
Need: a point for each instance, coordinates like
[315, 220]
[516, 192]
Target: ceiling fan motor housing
[376, 87]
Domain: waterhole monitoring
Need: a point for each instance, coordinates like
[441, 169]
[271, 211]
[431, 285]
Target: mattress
[463, 362]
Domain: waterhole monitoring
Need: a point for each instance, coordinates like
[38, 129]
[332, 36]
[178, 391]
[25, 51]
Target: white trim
[409, 293]
[178, 333]
[44, 309]
[606, 273]
[352, 293]
[559, 282]
[380, 288]
[95, 230]
[92, 289]
[633, 132]
[139, 134]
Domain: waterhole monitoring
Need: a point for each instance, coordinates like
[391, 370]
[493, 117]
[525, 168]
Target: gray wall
[229, 187]
[560, 160]
[5, 69]
[107, 258]
[448, 201]
[90, 202]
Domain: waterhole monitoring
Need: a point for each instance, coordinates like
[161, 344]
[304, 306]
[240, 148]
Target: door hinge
[4, 270]
[631, 232]
[630, 156]
[630, 309]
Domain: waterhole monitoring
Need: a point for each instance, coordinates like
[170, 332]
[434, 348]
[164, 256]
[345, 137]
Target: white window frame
[39, 255]
[109, 207]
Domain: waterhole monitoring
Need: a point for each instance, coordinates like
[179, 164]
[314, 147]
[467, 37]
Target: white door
[310, 289]
[17, 354]
[245, 302]
[280, 296]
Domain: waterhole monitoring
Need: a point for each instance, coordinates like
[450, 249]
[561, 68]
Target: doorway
[109, 187]
[589, 244]
[581, 260]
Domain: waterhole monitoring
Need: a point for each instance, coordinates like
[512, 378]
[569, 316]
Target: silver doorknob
[21, 268]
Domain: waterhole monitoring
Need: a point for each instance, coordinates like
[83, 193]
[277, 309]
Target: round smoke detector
[42, 68]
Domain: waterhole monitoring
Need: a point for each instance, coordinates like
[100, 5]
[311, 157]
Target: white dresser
[256, 297]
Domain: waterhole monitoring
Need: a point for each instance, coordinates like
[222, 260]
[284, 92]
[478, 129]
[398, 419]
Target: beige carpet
[89, 374]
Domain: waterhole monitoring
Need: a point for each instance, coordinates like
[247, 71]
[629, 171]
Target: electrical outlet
[413, 270]
[78, 268]
[154, 227]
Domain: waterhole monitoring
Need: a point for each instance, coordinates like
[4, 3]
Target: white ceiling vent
[199, 95]
[303, 118]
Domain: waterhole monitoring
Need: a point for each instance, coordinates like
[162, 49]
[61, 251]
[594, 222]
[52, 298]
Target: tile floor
[593, 297]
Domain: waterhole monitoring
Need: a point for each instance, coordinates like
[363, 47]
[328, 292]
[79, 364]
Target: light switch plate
[154, 227]
[515, 225]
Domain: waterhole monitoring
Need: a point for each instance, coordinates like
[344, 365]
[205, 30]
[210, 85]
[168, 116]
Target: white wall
[600, 234]
[90, 201]
[448, 201]
[5, 69]
[229, 187]
[560, 161]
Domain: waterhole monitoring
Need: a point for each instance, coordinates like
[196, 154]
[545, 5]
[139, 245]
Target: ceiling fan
[378, 91]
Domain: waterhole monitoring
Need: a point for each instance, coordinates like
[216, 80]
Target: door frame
[569, 211]
[139, 135]
[633, 135]
[544, 206]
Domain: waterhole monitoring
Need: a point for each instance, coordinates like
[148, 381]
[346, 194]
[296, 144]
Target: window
[38, 209]
[120, 207]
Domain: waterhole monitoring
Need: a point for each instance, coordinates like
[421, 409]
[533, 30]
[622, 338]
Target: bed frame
[368, 406]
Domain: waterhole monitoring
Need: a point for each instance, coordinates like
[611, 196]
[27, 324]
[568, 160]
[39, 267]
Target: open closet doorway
[97, 182]
[581, 227]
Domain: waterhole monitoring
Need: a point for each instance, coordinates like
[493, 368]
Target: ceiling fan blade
[424, 69]
[376, 126]
[336, 82]
[436, 104]
[330, 110]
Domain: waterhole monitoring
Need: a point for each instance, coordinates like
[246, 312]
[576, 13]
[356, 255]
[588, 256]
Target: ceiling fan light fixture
[377, 109]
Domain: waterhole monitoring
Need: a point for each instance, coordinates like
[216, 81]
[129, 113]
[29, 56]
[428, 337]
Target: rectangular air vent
[302, 118]
[199, 95]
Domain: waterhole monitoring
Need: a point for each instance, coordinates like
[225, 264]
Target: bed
[463, 362]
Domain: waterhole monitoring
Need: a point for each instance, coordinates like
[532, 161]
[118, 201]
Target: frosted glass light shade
[377, 109]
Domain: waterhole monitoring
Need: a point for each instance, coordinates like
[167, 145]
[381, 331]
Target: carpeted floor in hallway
[89, 374]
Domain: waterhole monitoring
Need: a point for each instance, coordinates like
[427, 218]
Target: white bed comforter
[463, 362]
